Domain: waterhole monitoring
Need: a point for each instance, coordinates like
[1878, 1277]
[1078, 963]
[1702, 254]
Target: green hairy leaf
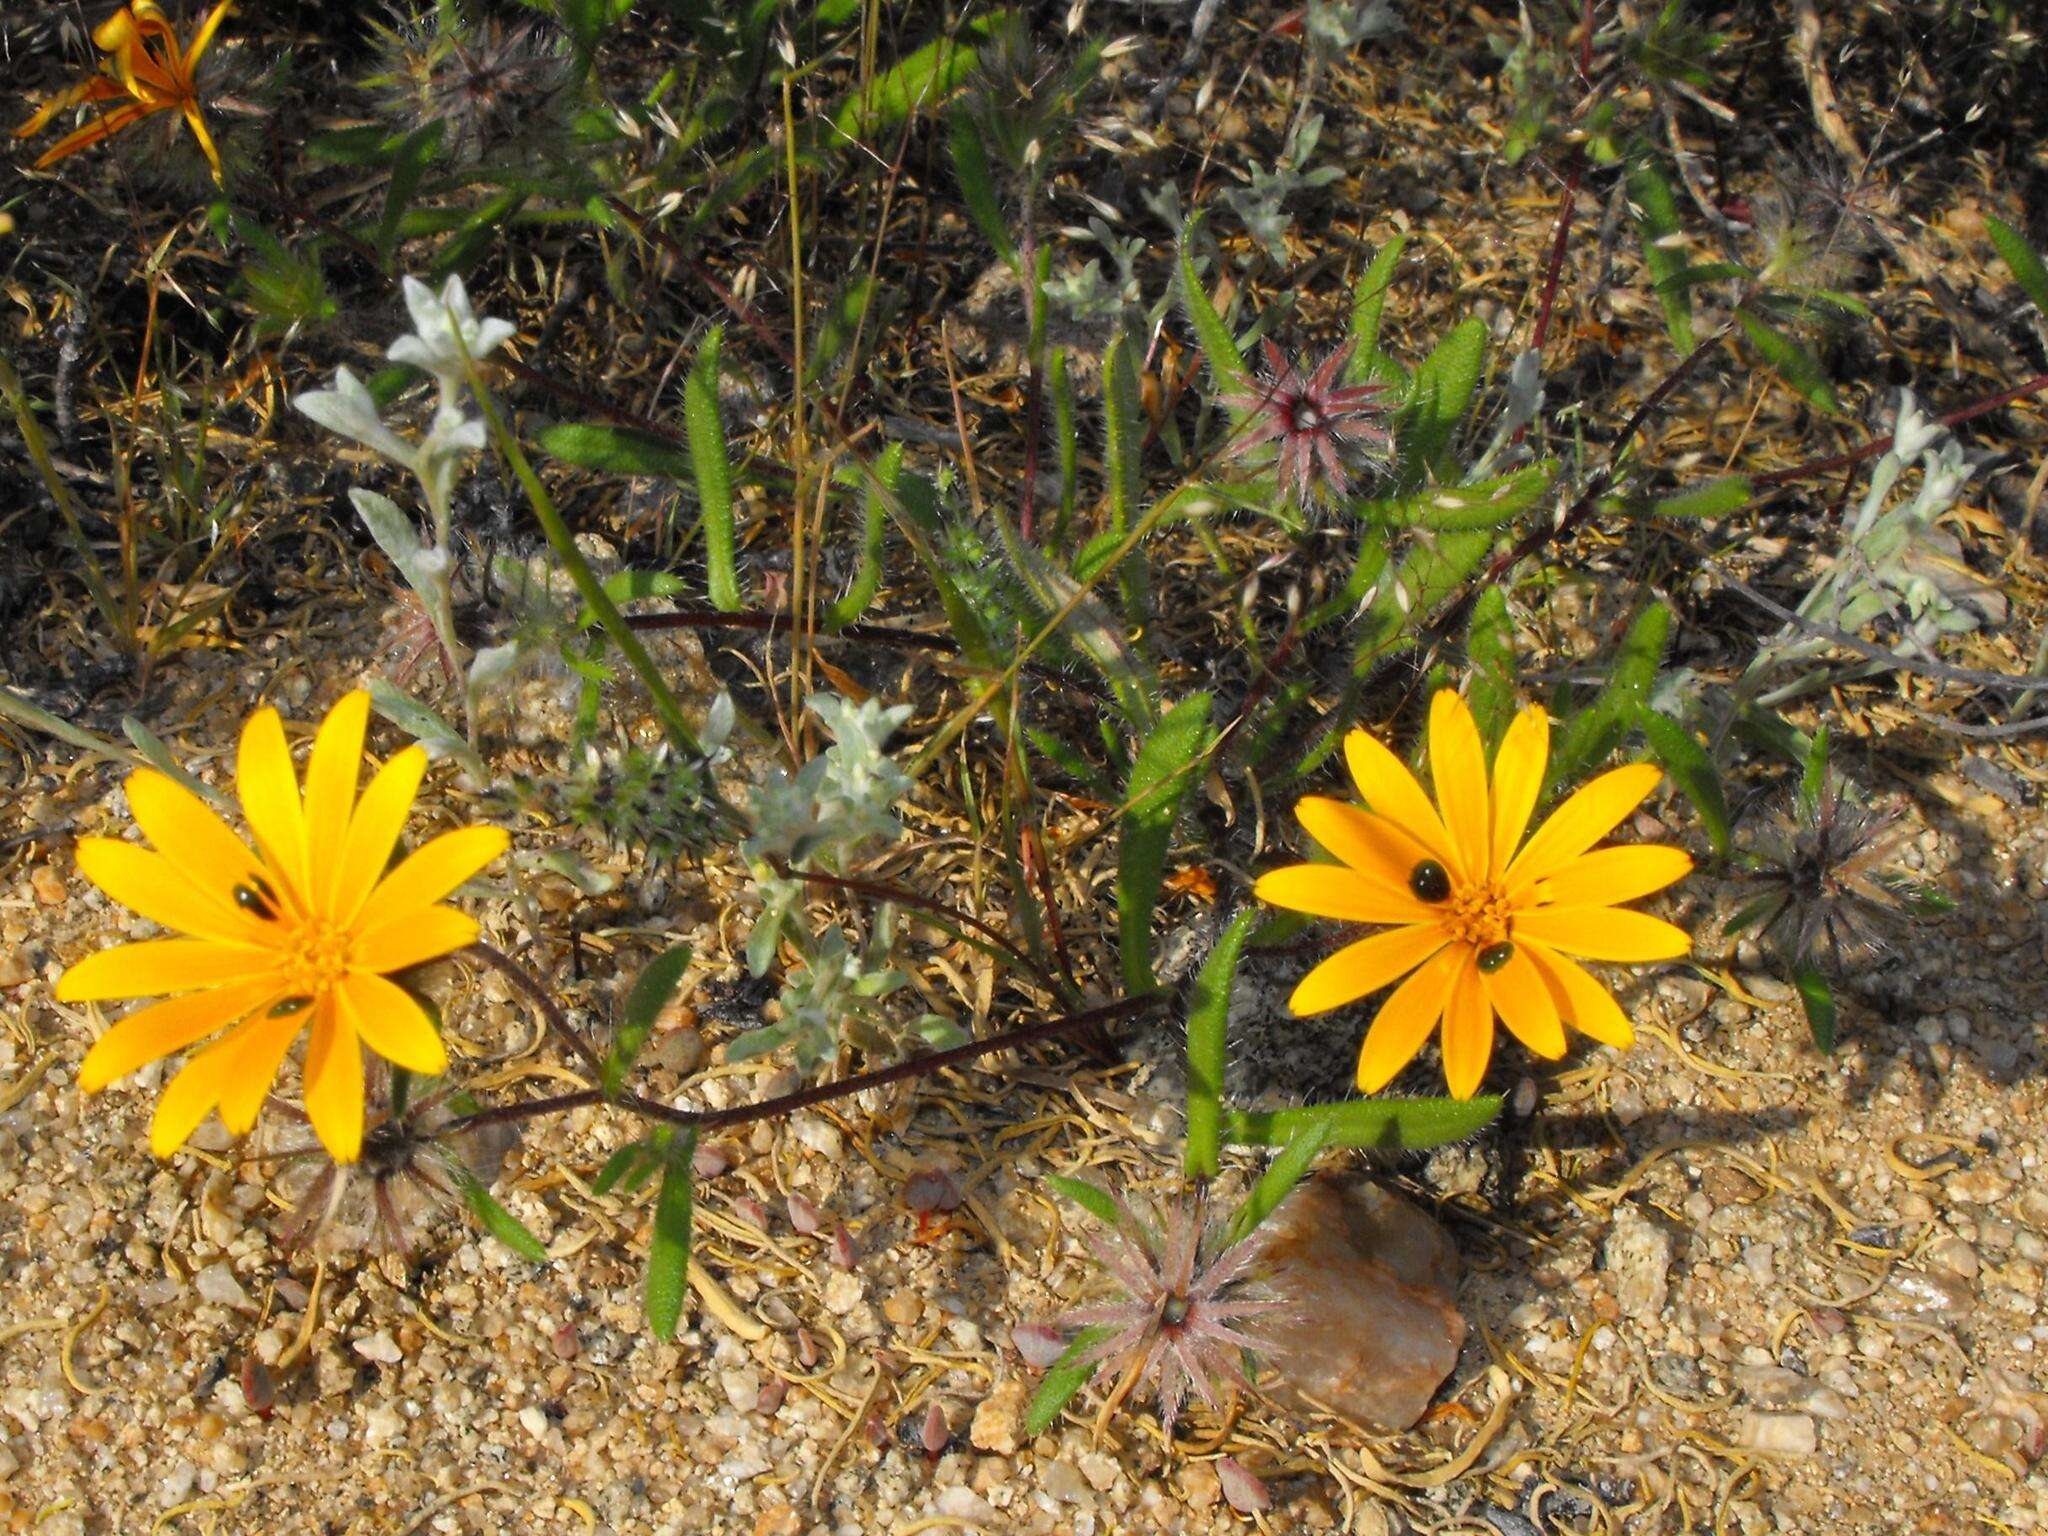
[1368, 306]
[1067, 1376]
[1692, 770]
[1280, 1177]
[652, 989]
[1595, 731]
[1161, 776]
[1090, 1197]
[1438, 397]
[495, 1219]
[1793, 361]
[978, 186]
[668, 1259]
[1219, 347]
[1717, 498]
[1452, 509]
[1386, 1125]
[1208, 1020]
[874, 519]
[1657, 226]
[712, 471]
[1818, 999]
[2027, 268]
[615, 450]
[1490, 652]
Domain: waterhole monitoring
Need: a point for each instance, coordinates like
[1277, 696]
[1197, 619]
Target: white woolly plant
[446, 338]
[821, 818]
[1894, 562]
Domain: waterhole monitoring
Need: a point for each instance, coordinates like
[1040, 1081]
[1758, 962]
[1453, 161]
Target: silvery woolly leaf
[718, 724]
[492, 665]
[423, 568]
[349, 410]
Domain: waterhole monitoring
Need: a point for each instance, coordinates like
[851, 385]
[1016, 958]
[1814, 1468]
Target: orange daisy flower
[305, 930]
[1484, 924]
[145, 71]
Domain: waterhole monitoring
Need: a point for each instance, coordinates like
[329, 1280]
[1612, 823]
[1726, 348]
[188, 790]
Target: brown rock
[999, 1418]
[1371, 1327]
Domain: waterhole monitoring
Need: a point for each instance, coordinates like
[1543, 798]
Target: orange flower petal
[331, 775]
[99, 88]
[373, 830]
[1332, 890]
[1592, 811]
[1406, 1018]
[184, 829]
[1518, 994]
[334, 1083]
[1457, 767]
[1607, 877]
[1518, 769]
[92, 133]
[269, 792]
[1582, 1001]
[1391, 791]
[192, 1095]
[1364, 967]
[163, 1029]
[393, 1024]
[1604, 933]
[412, 938]
[1468, 1031]
[196, 121]
[265, 1039]
[432, 871]
[1370, 844]
[155, 967]
[202, 37]
[151, 884]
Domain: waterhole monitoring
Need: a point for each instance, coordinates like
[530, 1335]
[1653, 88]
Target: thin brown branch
[820, 1093]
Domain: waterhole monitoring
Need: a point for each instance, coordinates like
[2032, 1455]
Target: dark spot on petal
[1430, 881]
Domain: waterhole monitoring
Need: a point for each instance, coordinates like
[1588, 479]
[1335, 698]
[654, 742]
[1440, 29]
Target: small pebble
[998, 1420]
[1781, 1434]
[379, 1347]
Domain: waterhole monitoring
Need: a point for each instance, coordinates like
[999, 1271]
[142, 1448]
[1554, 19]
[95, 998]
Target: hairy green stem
[667, 708]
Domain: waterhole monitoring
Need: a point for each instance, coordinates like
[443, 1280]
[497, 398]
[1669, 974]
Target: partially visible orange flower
[303, 931]
[145, 71]
[1484, 924]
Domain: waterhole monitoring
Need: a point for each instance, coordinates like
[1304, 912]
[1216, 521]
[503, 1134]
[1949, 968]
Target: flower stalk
[803, 1098]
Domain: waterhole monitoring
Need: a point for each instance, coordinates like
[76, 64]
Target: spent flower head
[1181, 1321]
[1481, 920]
[412, 1170]
[1825, 897]
[478, 77]
[1324, 429]
[302, 932]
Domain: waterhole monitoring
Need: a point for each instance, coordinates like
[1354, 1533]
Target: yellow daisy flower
[303, 931]
[1483, 923]
[145, 71]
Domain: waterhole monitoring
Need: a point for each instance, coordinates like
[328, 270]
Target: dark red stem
[821, 1093]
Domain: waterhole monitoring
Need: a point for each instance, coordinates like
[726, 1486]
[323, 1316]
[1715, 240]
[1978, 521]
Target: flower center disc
[317, 958]
[1479, 916]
